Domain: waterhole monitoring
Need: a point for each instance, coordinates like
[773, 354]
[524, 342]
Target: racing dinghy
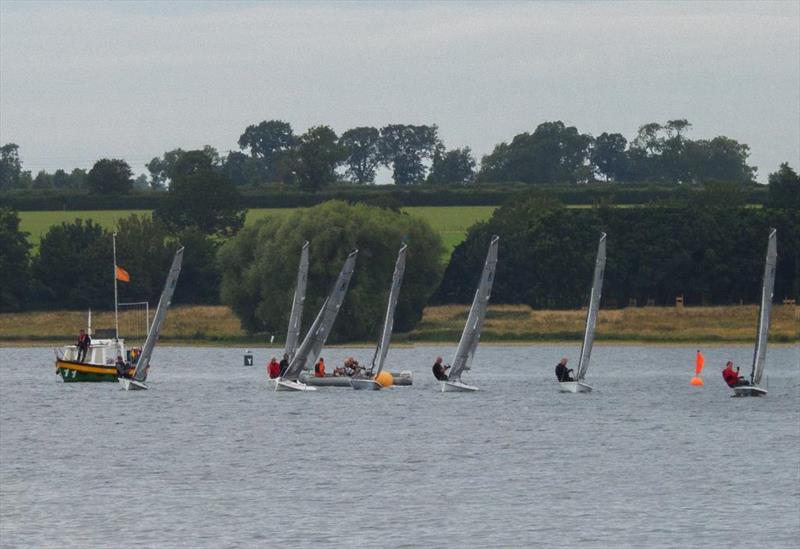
[472, 329]
[312, 344]
[579, 385]
[296, 316]
[137, 382]
[369, 380]
[760, 353]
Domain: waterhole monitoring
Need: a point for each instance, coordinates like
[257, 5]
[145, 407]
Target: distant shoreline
[510, 325]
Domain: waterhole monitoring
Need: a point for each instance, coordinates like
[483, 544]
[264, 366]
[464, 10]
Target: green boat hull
[74, 372]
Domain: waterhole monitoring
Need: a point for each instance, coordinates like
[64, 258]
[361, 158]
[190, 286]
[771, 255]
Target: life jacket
[730, 376]
[319, 369]
[273, 370]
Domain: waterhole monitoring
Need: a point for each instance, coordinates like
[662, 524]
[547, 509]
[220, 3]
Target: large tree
[10, 166]
[453, 166]
[259, 265]
[316, 157]
[269, 141]
[163, 169]
[110, 176]
[74, 267]
[14, 262]
[363, 155]
[784, 188]
[553, 153]
[608, 156]
[405, 148]
[202, 197]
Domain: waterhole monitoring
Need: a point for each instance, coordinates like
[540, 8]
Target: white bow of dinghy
[131, 384]
[291, 385]
[574, 387]
[457, 387]
[749, 391]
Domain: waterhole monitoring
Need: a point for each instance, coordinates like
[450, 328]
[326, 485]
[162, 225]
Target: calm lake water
[210, 458]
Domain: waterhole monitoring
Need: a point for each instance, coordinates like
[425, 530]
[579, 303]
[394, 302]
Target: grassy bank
[505, 323]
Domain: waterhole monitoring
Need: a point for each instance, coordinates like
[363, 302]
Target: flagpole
[116, 313]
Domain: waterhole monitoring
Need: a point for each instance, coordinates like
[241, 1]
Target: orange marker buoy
[385, 379]
[696, 381]
[698, 367]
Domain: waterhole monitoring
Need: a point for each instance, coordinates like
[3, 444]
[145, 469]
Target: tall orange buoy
[698, 368]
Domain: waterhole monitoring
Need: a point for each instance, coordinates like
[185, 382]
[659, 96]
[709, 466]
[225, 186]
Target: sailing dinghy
[370, 382]
[312, 344]
[760, 353]
[137, 382]
[579, 385]
[472, 329]
[296, 316]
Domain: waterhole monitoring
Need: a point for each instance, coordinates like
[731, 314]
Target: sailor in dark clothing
[84, 341]
[562, 372]
[122, 368]
[284, 364]
[439, 370]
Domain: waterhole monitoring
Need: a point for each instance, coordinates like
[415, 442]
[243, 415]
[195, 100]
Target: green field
[451, 222]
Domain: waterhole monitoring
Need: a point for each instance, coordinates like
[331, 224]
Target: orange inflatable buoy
[696, 381]
[385, 379]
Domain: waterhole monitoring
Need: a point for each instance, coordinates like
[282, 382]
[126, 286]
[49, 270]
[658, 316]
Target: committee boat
[579, 385]
[370, 379]
[760, 351]
[471, 335]
[136, 382]
[311, 347]
[99, 363]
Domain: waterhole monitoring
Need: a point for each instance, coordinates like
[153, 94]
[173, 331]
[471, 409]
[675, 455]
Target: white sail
[388, 322]
[140, 374]
[767, 287]
[296, 316]
[594, 307]
[477, 313]
[309, 350]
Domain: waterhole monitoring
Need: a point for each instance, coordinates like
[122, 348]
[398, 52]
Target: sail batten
[312, 344]
[767, 290]
[296, 316]
[477, 314]
[594, 308]
[140, 374]
[388, 322]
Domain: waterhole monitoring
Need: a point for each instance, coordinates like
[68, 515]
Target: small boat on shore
[137, 381]
[760, 352]
[369, 379]
[317, 334]
[579, 385]
[471, 335]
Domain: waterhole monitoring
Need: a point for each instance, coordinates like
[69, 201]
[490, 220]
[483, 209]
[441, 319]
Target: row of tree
[709, 255]
[270, 152]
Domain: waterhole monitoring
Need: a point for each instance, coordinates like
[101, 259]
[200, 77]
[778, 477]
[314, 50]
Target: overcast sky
[83, 81]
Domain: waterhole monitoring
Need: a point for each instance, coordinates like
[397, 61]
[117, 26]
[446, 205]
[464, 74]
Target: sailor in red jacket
[732, 377]
[273, 369]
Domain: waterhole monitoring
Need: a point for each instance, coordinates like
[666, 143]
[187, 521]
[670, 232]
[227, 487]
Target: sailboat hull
[132, 385]
[365, 384]
[749, 391]
[574, 387]
[457, 387]
[289, 385]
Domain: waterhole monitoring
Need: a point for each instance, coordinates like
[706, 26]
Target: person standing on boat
[284, 364]
[439, 370]
[732, 377]
[273, 368]
[562, 372]
[84, 341]
[319, 368]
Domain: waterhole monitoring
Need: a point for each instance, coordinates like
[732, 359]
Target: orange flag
[122, 275]
[699, 362]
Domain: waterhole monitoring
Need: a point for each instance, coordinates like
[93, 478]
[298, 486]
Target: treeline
[709, 255]
[270, 153]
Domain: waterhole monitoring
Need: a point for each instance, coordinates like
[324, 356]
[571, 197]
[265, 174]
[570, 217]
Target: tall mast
[116, 312]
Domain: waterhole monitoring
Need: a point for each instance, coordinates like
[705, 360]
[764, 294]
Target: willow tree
[259, 267]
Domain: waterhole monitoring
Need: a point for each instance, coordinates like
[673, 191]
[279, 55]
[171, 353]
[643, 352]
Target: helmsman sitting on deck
[122, 368]
[732, 377]
[440, 371]
[562, 372]
[319, 368]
